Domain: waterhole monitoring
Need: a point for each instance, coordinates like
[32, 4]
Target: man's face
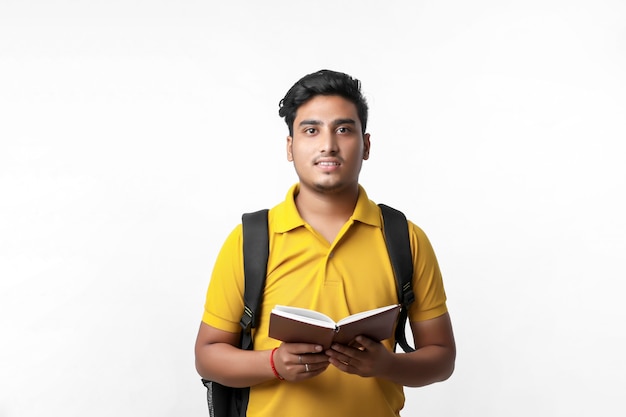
[327, 147]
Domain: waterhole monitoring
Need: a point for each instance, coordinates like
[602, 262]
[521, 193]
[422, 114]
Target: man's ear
[366, 146]
[289, 146]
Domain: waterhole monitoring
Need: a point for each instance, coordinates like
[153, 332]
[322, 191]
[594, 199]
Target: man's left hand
[365, 357]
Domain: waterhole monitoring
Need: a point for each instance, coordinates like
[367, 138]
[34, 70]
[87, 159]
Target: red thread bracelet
[273, 366]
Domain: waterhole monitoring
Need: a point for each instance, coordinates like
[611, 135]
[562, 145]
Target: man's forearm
[233, 367]
[425, 366]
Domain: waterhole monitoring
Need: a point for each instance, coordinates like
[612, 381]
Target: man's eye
[310, 130]
[343, 130]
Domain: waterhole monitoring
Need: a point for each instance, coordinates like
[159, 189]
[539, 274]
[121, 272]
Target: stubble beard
[328, 188]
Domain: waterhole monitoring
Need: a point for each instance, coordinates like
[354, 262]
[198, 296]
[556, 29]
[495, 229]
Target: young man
[327, 253]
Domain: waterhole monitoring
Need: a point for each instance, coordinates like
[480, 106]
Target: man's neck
[326, 212]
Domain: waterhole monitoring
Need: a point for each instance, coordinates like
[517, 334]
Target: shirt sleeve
[224, 299]
[430, 295]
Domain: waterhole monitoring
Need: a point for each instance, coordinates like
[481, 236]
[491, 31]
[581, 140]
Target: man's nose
[328, 142]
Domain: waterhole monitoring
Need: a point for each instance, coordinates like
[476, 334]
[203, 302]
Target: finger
[342, 365]
[365, 343]
[342, 354]
[313, 364]
[314, 368]
[310, 370]
[301, 348]
[343, 350]
[311, 358]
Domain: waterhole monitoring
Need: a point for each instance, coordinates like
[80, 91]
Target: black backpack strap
[399, 248]
[255, 254]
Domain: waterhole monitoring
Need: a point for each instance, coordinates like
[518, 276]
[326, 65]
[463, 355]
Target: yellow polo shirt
[350, 275]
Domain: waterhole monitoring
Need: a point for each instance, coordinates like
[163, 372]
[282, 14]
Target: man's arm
[219, 359]
[432, 361]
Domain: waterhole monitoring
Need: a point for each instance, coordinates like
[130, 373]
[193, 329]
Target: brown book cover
[301, 325]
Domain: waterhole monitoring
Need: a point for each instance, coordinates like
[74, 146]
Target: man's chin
[328, 188]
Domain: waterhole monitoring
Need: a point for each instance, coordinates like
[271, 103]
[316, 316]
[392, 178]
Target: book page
[304, 315]
[358, 316]
[377, 324]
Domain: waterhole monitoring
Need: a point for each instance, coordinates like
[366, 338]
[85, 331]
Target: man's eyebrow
[344, 122]
[310, 122]
[335, 122]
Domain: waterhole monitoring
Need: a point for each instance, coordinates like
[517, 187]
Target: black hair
[323, 82]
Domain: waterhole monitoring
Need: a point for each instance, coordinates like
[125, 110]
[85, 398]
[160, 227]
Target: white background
[133, 134]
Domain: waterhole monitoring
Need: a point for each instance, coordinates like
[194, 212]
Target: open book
[301, 325]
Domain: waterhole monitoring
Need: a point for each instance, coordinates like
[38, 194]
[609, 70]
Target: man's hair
[327, 83]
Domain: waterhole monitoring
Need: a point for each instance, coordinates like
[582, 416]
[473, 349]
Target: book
[301, 325]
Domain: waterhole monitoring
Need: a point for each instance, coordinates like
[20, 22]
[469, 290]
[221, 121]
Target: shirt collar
[286, 216]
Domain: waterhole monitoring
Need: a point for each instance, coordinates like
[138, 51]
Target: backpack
[226, 401]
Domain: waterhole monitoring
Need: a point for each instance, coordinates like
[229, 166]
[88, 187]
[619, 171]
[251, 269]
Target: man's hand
[299, 361]
[364, 358]
[432, 361]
